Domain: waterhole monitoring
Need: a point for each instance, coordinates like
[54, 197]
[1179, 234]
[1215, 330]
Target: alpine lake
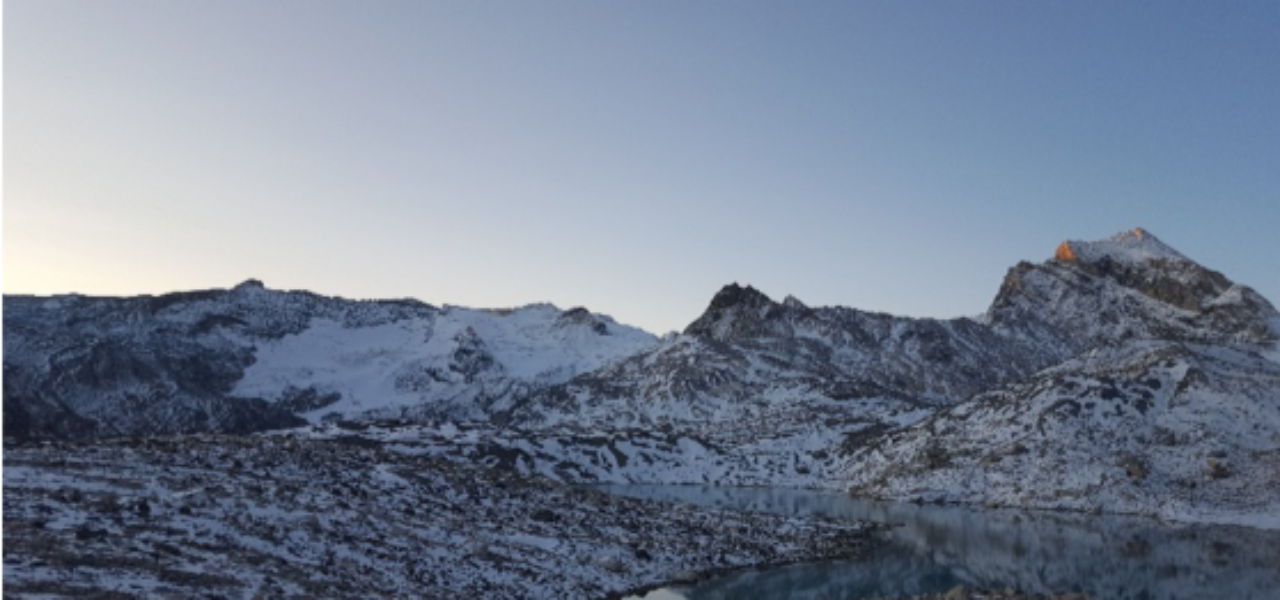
[933, 548]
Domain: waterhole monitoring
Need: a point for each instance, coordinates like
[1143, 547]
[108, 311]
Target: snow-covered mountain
[1130, 287]
[757, 392]
[460, 362]
[747, 355]
[1118, 375]
[250, 358]
[1169, 404]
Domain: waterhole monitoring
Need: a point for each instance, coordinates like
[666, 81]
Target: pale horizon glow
[631, 158]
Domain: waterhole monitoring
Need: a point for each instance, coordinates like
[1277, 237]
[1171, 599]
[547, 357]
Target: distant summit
[1128, 247]
[1131, 285]
[737, 313]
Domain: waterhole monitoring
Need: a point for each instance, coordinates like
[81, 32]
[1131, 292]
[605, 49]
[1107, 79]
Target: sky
[630, 157]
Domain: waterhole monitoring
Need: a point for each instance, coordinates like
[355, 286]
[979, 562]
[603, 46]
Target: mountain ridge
[1104, 353]
[1131, 286]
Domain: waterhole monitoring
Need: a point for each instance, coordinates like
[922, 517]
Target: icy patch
[360, 364]
[439, 359]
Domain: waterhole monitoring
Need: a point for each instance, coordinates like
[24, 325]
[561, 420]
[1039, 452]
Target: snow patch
[410, 362]
[360, 364]
[532, 343]
[1129, 247]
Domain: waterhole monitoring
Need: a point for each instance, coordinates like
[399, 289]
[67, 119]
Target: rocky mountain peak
[1064, 253]
[249, 288]
[1139, 260]
[1130, 285]
[733, 295]
[249, 285]
[1131, 247]
[794, 302]
[736, 312]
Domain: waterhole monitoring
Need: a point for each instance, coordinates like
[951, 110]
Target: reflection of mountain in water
[937, 547]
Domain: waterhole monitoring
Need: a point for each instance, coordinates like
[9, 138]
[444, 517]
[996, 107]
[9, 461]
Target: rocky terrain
[748, 351]
[286, 516]
[421, 451]
[1119, 375]
[249, 359]
[1171, 408]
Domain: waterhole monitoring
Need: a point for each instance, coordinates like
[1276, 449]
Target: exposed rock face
[250, 358]
[14, 421]
[87, 367]
[1147, 428]
[753, 391]
[1140, 261]
[1135, 288]
[748, 354]
[1171, 376]
[1129, 342]
[582, 317]
[1064, 253]
[737, 314]
[28, 414]
[470, 358]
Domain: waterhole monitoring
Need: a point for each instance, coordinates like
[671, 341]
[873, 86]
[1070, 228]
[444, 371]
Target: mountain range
[1118, 375]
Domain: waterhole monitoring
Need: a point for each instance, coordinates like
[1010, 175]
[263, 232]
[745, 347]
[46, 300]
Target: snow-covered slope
[1131, 287]
[251, 358]
[1182, 431]
[283, 517]
[456, 361]
[1170, 404]
[1130, 247]
[749, 356]
[1120, 375]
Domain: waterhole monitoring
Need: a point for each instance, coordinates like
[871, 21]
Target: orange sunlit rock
[1064, 253]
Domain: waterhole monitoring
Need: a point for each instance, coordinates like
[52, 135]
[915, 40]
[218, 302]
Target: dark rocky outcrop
[581, 317]
[470, 357]
[739, 313]
[14, 421]
[80, 367]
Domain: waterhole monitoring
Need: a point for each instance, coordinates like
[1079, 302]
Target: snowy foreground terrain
[210, 516]
[1118, 376]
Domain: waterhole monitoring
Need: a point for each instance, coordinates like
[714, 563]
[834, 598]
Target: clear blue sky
[630, 157]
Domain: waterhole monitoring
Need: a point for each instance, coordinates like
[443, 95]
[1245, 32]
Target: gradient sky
[630, 157]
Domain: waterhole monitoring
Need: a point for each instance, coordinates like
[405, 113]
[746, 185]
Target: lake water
[939, 547]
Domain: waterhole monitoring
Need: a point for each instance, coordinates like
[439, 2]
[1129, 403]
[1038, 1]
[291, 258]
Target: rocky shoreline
[228, 516]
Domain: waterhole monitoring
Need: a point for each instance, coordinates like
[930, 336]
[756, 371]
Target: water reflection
[938, 547]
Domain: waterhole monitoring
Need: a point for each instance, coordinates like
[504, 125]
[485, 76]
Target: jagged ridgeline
[250, 358]
[1166, 402]
[1118, 373]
